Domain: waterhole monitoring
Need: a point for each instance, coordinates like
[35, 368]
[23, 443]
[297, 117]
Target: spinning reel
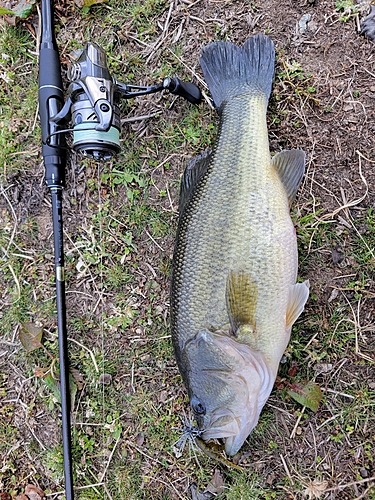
[93, 101]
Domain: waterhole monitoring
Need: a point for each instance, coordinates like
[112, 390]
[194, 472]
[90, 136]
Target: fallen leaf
[105, 378]
[21, 10]
[53, 385]
[214, 488]
[199, 495]
[216, 483]
[88, 3]
[323, 367]
[30, 336]
[21, 496]
[140, 439]
[33, 492]
[292, 371]
[5, 496]
[40, 372]
[78, 377]
[309, 395]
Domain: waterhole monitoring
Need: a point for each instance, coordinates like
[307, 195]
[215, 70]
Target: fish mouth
[242, 390]
[233, 429]
[251, 383]
[223, 424]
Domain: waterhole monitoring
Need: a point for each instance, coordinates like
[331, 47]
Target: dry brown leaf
[40, 372]
[31, 336]
[140, 439]
[5, 496]
[33, 492]
[214, 488]
[21, 496]
[216, 484]
[78, 377]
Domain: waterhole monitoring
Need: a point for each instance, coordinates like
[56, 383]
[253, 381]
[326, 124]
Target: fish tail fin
[230, 70]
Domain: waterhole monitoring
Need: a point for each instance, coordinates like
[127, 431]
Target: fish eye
[197, 407]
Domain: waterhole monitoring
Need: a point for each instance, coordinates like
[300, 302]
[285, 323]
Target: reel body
[93, 102]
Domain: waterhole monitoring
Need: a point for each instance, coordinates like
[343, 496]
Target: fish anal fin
[298, 295]
[242, 298]
[194, 171]
[290, 166]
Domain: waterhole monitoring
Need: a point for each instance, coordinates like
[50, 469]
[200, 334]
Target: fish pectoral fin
[298, 295]
[194, 171]
[242, 298]
[290, 165]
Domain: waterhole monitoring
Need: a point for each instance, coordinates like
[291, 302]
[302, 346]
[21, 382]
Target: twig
[166, 24]
[286, 469]
[152, 239]
[17, 284]
[364, 494]
[329, 420]
[170, 199]
[76, 488]
[36, 438]
[151, 269]
[357, 327]
[354, 483]
[297, 423]
[200, 80]
[107, 492]
[153, 459]
[109, 459]
[139, 118]
[343, 394]
[88, 350]
[166, 484]
[350, 203]
[132, 379]
[14, 217]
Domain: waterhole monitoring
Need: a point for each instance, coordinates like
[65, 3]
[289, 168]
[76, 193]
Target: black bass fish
[234, 296]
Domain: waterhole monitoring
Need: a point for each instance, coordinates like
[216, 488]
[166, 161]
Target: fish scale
[231, 224]
[234, 295]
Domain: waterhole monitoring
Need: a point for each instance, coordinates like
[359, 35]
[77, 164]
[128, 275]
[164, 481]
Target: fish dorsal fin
[242, 298]
[194, 171]
[290, 166]
[298, 295]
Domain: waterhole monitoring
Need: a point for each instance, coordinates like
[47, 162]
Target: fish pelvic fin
[230, 70]
[298, 295]
[290, 166]
[194, 171]
[242, 298]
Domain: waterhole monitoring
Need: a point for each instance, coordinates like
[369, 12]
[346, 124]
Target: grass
[119, 229]
[18, 98]
[347, 9]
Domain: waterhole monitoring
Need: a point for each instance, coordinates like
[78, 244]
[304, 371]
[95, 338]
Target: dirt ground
[323, 102]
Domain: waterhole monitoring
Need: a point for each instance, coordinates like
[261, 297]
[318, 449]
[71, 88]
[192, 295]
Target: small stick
[297, 423]
[109, 459]
[88, 350]
[286, 469]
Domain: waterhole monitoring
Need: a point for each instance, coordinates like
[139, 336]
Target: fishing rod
[92, 109]
[51, 100]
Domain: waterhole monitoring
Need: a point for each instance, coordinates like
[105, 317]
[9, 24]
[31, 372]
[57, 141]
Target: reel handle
[187, 90]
